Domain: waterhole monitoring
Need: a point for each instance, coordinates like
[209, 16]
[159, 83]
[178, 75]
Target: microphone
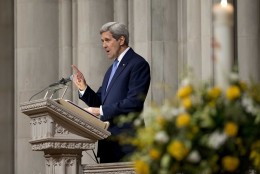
[62, 81]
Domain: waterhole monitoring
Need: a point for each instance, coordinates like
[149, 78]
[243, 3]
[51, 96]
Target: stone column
[63, 163]
[7, 86]
[121, 11]
[65, 42]
[194, 33]
[139, 25]
[206, 40]
[248, 15]
[88, 16]
[173, 36]
[164, 46]
[36, 66]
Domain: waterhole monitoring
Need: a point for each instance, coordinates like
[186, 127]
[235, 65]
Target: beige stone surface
[248, 35]
[7, 86]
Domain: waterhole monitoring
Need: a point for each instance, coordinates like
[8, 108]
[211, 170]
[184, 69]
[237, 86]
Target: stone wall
[248, 35]
[7, 86]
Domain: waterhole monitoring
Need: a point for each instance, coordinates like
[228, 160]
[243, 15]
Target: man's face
[111, 45]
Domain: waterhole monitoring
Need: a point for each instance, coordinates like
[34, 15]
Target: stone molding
[62, 145]
[112, 172]
[109, 168]
[58, 161]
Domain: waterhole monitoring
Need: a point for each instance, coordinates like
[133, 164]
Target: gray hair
[117, 30]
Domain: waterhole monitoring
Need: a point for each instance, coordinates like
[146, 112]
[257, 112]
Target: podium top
[71, 119]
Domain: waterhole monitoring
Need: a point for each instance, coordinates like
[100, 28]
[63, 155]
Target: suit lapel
[119, 70]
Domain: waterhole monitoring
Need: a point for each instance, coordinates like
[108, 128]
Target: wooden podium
[62, 134]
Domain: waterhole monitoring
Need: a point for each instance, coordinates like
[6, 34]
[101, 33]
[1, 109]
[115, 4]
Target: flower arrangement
[204, 129]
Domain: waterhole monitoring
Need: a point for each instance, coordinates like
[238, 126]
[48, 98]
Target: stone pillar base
[64, 163]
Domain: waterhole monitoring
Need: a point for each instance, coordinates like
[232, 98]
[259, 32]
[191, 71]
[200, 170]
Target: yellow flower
[255, 153]
[183, 120]
[255, 157]
[233, 93]
[154, 154]
[231, 129]
[141, 167]
[186, 102]
[184, 91]
[214, 93]
[160, 120]
[230, 163]
[177, 149]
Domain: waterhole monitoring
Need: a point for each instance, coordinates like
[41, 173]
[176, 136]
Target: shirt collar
[122, 54]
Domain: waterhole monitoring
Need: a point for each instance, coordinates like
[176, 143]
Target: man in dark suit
[123, 90]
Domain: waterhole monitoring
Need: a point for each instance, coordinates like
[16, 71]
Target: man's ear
[122, 40]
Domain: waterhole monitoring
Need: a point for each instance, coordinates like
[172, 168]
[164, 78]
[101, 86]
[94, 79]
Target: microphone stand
[65, 87]
[52, 88]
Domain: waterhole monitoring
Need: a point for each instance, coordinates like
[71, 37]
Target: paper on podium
[83, 114]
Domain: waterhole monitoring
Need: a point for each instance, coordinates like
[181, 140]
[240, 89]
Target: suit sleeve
[91, 98]
[139, 82]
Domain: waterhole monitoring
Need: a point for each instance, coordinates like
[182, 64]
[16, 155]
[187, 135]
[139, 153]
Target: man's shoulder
[135, 56]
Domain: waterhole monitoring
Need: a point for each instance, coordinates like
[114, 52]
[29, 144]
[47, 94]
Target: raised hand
[78, 79]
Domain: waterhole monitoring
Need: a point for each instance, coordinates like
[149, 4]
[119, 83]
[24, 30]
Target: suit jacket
[126, 92]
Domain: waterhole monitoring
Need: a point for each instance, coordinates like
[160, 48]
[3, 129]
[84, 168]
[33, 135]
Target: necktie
[112, 72]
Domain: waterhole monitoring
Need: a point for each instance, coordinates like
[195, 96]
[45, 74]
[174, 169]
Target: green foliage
[204, 129]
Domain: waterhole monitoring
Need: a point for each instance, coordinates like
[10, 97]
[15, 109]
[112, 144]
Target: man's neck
[123, 48]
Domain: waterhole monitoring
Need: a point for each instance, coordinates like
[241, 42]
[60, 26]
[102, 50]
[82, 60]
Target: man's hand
[79, 79]
[94, 111]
